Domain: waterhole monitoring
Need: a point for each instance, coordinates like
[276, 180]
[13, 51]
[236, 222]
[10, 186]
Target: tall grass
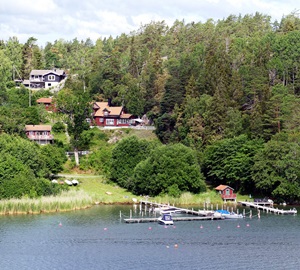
[187, 198]
[66, 201]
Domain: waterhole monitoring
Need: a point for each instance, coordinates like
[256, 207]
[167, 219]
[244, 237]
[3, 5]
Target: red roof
[222, 187]
[103, 106]
[44, 100]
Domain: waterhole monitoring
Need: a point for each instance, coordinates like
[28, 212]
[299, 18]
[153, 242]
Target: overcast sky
[50, 20]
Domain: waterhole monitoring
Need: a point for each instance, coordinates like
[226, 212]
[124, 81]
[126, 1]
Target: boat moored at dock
[165, 219]
[229, 215]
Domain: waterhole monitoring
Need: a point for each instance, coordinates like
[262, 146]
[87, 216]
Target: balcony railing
[40, 137]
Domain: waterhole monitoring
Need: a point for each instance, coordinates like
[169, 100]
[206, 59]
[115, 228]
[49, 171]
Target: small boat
[229, 215]
[171, 210]
[75, 182]
[165, 219]
[167, 210]
[69, 183]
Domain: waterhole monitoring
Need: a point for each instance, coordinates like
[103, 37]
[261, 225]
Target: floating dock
[269, 209]
[145, 220]
[203, 213]
[150, 207]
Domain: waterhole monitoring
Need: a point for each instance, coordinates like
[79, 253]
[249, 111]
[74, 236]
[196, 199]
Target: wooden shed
[226, 193]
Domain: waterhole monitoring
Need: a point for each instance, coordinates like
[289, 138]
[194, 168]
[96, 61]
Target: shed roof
[222, 187]
[44, 100]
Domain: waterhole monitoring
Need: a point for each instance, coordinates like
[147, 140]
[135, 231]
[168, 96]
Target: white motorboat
[165, 219]
[168, 210]
[229, 215]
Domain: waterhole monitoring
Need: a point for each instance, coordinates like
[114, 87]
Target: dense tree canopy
[125, 156]
[220, 87]
[168, 169]
[24, 166]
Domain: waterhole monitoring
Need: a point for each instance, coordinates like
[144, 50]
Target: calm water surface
[96, 239]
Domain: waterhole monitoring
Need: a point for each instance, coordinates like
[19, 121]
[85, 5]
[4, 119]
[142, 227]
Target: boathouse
[226, 193]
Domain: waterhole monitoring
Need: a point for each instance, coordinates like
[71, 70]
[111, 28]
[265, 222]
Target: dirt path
[78, 175]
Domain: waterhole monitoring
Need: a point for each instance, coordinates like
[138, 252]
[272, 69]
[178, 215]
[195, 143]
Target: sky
[50, 20]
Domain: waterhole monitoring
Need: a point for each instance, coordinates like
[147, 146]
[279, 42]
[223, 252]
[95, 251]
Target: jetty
[152, 205]
[149, 208]
[192, 218]
[268, 209]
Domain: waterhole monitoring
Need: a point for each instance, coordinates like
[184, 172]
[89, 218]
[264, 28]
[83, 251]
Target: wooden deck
[203, 213]
[145, 220]
[269, 209]
[193, 214]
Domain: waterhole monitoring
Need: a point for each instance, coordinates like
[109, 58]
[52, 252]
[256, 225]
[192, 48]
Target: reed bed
[66, 201]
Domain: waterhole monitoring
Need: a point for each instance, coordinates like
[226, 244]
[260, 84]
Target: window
[110, 122]
[51, 78]
[123, 121]
[227, 191]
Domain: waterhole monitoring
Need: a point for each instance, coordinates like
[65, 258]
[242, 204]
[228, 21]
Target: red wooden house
[105, 115]
[226, 193]
[47, 103]
[39, 133]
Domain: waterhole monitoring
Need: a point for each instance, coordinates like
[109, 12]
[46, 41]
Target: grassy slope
[106, 192]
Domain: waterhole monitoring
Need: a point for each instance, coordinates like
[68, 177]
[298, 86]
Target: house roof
[103, 106]
[125, 116]
[222, 187]
[43, 72]
[38, 128]
[44, 100]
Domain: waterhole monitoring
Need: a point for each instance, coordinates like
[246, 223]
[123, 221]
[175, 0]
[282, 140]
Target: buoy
[60, 224]
[248, 225]
[105, 229]
[219, 227]
[201, 227]
[174, 227]
[167, 246]
[175, 246]
[238, 226]
[166, 226]
[150, 228]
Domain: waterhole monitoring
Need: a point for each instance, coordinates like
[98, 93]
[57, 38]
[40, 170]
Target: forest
[224, 97]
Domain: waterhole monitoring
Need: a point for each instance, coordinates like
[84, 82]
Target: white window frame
[123, 121]
[110, 122]
[51, 77]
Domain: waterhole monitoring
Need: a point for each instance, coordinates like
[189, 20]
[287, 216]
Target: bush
[59, 127]
[168, 169]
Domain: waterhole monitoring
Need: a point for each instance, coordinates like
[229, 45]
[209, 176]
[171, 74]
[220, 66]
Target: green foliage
[169, 168]
[24, 164]
[230, 161]
[276, 170]
[54, 158]
[59, 127]
[125, 156]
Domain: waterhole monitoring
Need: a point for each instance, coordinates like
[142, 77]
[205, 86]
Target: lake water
[96, 239]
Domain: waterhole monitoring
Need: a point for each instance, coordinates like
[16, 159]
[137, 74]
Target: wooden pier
[149, 207]
[269, 209]
[145, 220]
[203, 213]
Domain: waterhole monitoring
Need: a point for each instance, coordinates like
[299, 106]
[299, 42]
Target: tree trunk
[76, 156]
